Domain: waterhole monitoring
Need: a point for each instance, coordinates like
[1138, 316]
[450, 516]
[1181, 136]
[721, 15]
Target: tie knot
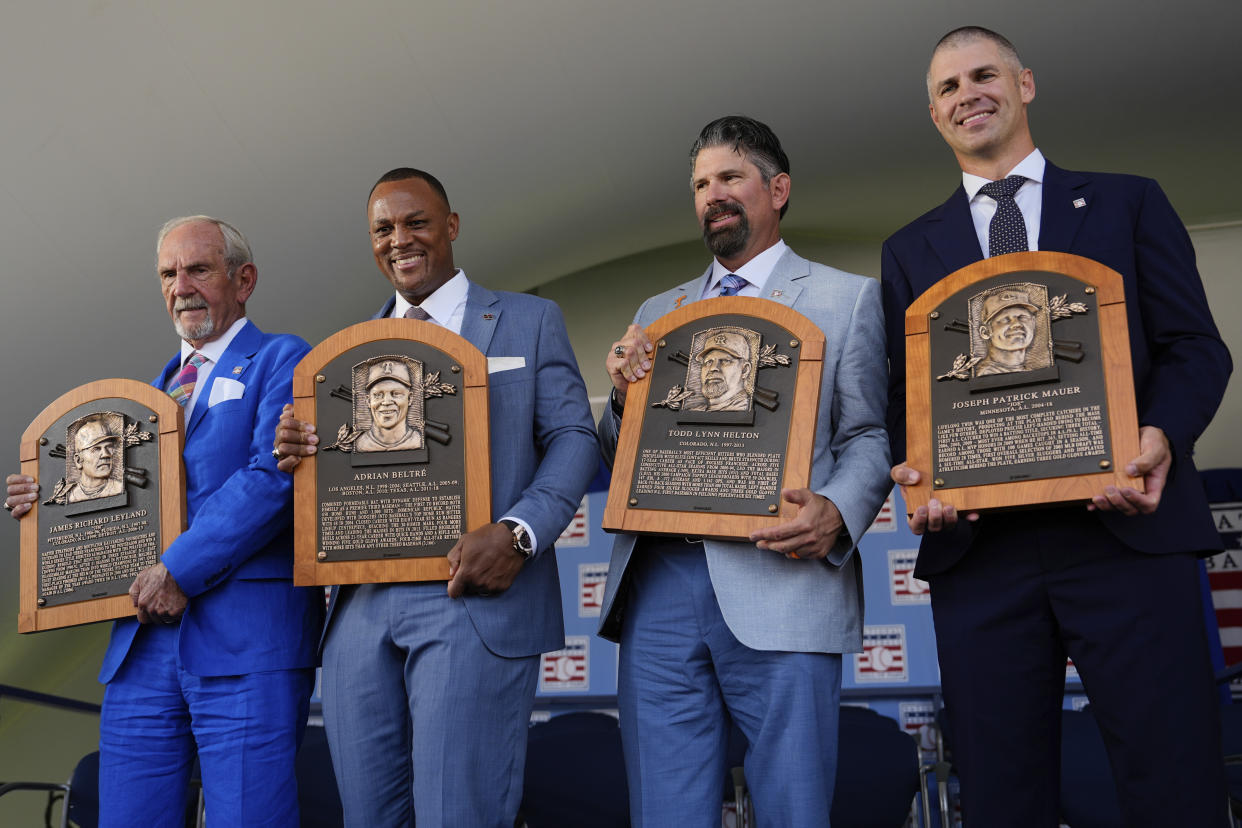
[416, 312]
[196, 359]
[731, 284]
[1005, 188]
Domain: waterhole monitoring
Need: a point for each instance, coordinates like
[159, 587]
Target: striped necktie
[415, 312]
[183, 386]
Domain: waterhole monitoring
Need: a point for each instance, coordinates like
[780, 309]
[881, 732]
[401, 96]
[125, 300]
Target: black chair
[575, 774]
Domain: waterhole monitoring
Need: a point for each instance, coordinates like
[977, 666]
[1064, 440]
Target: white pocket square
[224, 388]
[498, 364]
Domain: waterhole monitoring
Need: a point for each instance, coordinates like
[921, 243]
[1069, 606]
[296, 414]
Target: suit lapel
[951, 233]
[784, 283]
[233, 364]
[482, 315]
[1067, 198]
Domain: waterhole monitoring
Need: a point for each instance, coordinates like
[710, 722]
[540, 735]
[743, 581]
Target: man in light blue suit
[751, 631]
[428, 691]
[220, 660]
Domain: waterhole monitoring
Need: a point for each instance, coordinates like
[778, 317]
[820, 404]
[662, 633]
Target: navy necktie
[1007, 231]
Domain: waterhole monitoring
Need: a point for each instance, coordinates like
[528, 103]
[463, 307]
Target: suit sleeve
[254, 504]
[1190, 365]
[564, 438]
[859, 481]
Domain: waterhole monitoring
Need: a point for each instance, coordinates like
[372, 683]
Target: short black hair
[407, 173]
[753, 139]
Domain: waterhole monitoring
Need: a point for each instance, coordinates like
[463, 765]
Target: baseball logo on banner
[886, 520]
[567, 670]
[1071, 672]
[577, 532]
[905, 588]
[918, 718]
[591, 580]
[883, 657]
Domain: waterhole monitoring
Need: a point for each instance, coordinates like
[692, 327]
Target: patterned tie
[183, 386]
[1007, 231]
[416, 312]
[731, 284]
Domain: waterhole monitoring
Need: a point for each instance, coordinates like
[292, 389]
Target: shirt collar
[442, 302]
[1031, 168]
[214, 349]
[756, 271]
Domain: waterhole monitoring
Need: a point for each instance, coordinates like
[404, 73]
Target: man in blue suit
[1114, 585]
[713, 630]
[220, 661]
[428, 691]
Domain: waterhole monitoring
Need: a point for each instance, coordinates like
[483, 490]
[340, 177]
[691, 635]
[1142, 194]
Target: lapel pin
[489, 316]
[776, 293]
[680, 299]
[237, 370]
[1080, 202]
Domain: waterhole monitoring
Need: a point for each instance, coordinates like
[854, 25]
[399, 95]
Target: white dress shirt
[213, 350]
[1029, 199]
[755, 272]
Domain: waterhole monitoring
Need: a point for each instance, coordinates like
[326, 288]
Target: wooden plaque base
[1065, 422]
[393, 487]
[145, 498]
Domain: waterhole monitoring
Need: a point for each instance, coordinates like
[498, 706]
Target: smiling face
[412, 235]
[1011, 329]
[389, 401]
[738, 213]
[978, 97]
[201, 297]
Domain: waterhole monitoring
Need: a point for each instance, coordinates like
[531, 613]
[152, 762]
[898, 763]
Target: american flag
[591, 580]
[886, 520]
[906, 589]
[567, 670]
[1225, 577]
[577, 533]
[883, 658]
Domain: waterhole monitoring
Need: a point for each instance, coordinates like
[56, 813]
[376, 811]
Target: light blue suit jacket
[235, 560]
[771, 602]
[544, 453]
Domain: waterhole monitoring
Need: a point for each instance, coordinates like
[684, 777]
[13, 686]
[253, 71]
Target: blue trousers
[682, 675]
[1034, 588]
[244, 729]
[420, 715]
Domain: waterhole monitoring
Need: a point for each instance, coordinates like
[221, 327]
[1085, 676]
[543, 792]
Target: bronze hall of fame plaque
[402, 471]
[107, 456]
[724, 420]
[1019, 388]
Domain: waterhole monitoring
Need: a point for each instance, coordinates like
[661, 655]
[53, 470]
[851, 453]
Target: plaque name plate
[722, 422]
[1019, 389]
[402, 471]
[107, 456]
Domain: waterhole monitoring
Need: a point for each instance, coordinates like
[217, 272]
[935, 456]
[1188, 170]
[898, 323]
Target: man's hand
[483, 562]
[295, 439]
[157, 596]
[23, 492]
[935, 516]
[812, 532]
[629, 360]
[1152, 465]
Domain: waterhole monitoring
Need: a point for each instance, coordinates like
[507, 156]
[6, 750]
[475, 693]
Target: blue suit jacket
[544, 453]
[769, 601]
[235, 560]
[1181, 366]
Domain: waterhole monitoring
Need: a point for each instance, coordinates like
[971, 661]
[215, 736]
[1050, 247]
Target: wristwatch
[521, 539]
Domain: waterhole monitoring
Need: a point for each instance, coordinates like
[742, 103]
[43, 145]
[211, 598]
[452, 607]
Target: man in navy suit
[220, 660]
[753, 632]
[428, 691]
[1113, 585]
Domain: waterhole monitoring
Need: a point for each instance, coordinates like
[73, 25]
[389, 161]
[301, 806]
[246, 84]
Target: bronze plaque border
[1118, 376]
[619, 516]
[307, 569]
[171, 436]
